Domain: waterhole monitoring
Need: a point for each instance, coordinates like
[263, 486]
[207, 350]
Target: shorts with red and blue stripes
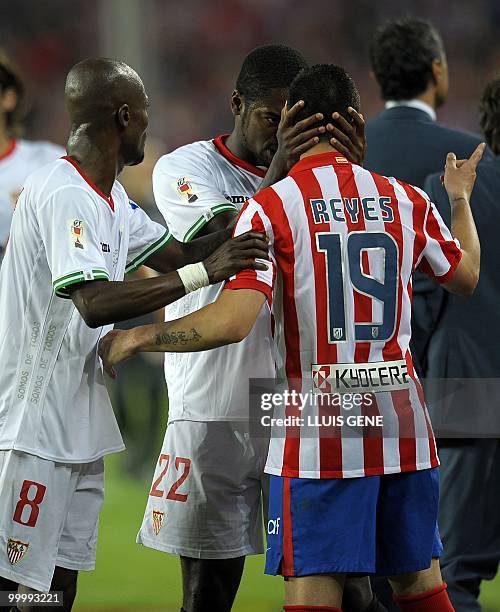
[384, 525]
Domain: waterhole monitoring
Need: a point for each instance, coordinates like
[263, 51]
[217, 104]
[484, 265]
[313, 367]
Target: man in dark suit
[405, 140]
[466, 345]
[409, 64]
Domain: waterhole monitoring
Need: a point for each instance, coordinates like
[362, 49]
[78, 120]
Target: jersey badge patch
[16, 550]
[158, 521]
[320, 379]
[185, 190]
[77, 233]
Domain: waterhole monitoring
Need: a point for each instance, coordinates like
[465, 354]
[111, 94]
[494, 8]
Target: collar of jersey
[318, 160]
[9, 150]
[220, 145]
[109, 200]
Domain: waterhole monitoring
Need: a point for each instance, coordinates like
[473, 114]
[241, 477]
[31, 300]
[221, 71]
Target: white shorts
[48, 517]
[205, 501]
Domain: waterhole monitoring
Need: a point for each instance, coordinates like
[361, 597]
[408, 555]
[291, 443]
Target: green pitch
[131, 577]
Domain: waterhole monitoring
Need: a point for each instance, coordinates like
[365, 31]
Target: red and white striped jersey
[344, 243]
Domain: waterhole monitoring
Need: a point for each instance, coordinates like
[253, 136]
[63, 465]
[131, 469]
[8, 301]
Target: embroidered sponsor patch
[185, 189]
[373, 377]
[77, 233]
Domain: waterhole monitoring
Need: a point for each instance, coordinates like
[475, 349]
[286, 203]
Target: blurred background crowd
[188, 54]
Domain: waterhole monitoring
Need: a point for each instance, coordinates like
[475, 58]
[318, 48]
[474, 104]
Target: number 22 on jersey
[172, 494]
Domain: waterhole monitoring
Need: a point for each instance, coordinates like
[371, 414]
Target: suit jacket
[466, 341]
[406, 143]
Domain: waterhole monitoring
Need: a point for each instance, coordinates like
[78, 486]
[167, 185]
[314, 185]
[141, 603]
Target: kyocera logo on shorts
[273, 526]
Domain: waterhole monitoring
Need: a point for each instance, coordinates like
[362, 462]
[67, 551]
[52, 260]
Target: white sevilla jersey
[19, 161]
[192, 185]
[345, 243]
[53, 401]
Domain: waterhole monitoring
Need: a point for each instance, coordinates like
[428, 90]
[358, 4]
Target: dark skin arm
[222, 222]
[105, 302]
[176, 254]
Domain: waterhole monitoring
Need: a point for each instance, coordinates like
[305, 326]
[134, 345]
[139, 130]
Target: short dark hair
[10, 79]
[401, 56]
[489, 112]
[325, 88]
[266, 68]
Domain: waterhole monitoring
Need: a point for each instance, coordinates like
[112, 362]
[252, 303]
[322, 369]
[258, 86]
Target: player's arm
[295, 138]
[459, 179]
[176, 254]
[103, 302]
[229, 319]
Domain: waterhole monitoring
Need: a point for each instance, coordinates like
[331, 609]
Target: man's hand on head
[349, 138]
[293, 140]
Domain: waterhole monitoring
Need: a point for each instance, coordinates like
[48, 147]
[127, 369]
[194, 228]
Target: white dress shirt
[423, 106]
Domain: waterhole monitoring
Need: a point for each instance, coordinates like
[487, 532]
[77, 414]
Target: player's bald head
[97, 87]
[107, 104]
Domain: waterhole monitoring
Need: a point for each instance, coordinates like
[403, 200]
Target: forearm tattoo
[177, 337]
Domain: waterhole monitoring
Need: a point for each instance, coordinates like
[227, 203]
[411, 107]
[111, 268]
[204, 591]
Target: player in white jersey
[18, 157]
[344, 243]
[74, 235]
[205, 501]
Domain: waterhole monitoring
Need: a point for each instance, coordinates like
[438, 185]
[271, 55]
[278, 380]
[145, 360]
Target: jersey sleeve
[69, 226]
[441, 253]
[146, 237]
[186, 194]
[252, 217]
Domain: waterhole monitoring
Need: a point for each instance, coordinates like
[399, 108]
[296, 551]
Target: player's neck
[321, 147]
[96, 161]
[238, 149]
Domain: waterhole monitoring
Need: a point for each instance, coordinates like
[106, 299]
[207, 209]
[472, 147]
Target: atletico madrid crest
[16, 550]
[158, 521]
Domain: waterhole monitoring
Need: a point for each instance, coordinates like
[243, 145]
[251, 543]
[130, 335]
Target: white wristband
[193, 276]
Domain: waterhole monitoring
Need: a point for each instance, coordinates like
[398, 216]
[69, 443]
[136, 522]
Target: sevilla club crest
[16, 550]
[158, 521]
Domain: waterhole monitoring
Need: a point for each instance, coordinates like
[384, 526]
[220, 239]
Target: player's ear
[9, 99]
[236, 103]
[123, 115]
[437, 70]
